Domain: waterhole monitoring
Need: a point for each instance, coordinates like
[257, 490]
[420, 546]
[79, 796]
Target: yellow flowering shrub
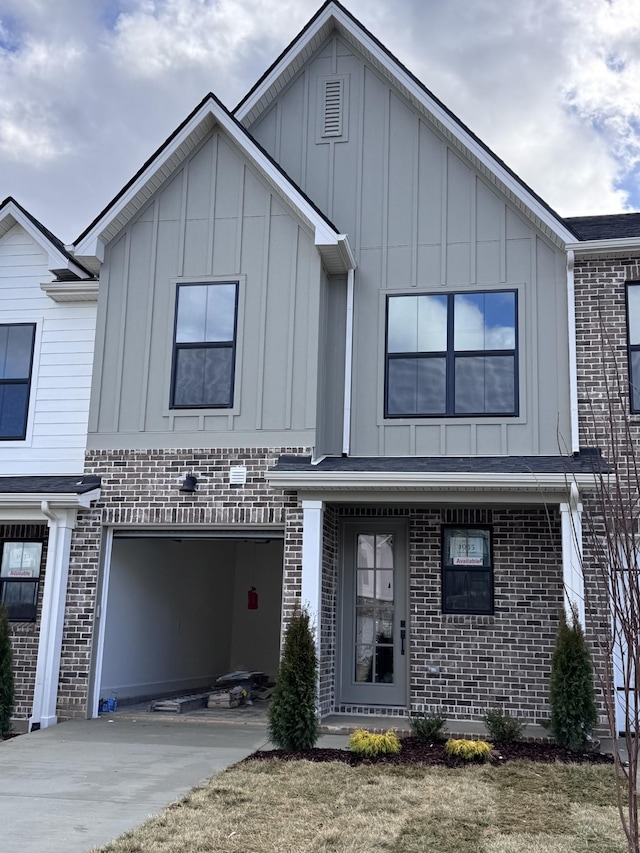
[368, 744]
[468, 750]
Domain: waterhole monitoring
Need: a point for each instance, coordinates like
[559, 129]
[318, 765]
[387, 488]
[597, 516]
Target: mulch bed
[432, 754]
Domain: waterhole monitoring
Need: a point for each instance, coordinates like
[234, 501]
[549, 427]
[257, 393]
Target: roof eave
[333, 15]
[57, 500]
[90, 246]
[429, 481]
[58, 263]
[604, 248]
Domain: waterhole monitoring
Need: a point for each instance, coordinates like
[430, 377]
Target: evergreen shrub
[6, 676]
[369, 745]
[502, 727]
[571, 692]
[293, 720]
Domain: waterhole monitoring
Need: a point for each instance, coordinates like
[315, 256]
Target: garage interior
[181, 612]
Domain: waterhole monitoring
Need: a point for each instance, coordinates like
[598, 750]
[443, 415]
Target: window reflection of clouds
[484, 321]
[205, 313]
[417, 324]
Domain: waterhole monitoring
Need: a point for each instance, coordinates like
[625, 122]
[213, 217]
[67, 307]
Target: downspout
[573, 361]
[348, 365]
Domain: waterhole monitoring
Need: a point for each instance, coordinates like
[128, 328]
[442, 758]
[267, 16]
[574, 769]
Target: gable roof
[209, 113]
[333, 16]
[60, 261]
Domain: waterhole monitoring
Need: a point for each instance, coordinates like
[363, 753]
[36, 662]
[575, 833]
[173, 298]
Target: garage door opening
[180, 612]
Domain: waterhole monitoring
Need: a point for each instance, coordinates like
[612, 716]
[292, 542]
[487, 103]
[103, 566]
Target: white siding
[63, 358]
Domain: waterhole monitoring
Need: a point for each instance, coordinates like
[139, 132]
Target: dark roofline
[171, 137]
[608, 226]
[78, 484]
[419, 83]
[50, 236]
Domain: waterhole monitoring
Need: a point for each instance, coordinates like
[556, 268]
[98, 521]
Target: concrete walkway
[84, 782]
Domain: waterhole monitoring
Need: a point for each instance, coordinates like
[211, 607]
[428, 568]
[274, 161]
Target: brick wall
[605, 422]
[482, 661]
[25, 635]
[142, 488]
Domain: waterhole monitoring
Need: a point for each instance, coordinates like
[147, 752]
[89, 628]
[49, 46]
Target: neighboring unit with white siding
[60, 303]
[48, 304]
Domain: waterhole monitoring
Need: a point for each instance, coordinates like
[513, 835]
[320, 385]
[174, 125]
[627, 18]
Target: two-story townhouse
[47, 328]
[376, 418]
[604, 268]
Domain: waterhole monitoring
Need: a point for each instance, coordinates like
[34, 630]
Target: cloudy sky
[90, 88]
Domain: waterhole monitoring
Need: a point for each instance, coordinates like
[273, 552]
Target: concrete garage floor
[82, 783]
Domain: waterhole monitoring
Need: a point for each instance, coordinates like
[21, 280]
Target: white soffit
[11, 214]
[90, 245]
[428, 482]
[334, 17]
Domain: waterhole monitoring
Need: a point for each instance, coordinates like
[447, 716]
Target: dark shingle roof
[74, 485]
[49, 235]
[605, 227]
[585, 462]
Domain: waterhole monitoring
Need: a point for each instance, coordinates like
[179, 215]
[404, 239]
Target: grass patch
[306, 807]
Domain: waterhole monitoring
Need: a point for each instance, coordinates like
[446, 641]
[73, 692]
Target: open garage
[181, 609]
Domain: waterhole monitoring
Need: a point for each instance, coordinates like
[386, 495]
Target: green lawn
[304, 807]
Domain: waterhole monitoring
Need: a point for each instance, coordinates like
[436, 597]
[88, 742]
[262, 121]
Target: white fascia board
[600, 248]
[334, 15]
[90, 244]
[57, 500]
[56, 260]
[427, 481]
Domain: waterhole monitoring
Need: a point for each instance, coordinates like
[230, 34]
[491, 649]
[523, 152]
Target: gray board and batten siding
[421, 218]
[215, 220]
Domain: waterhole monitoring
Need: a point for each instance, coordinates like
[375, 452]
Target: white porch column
[61, 524]
[572, 575]
[312, 515]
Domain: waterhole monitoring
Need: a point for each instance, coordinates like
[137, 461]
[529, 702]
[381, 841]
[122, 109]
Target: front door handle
[403, 636]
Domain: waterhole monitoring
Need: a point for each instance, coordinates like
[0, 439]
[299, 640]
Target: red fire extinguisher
[252, 599]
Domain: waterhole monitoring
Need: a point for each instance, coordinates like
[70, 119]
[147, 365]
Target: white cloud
[89, 90]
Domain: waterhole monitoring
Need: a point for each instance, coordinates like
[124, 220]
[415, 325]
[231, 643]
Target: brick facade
[459, 665]
[605, 422]
[141, 488]
[25, 635]
[481, 661]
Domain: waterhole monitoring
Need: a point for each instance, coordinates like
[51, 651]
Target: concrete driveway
[84, 782]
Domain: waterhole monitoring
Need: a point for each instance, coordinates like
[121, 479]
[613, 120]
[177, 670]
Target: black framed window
[452, 354]
[633, 341]
[16, 362]
[20, 579]
[467, 570]
[204, 345]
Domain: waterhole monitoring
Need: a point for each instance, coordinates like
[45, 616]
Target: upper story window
[20, 579]
[204, 345]
[452, 354]
[467, 570]
[16, 361]
[633, 337]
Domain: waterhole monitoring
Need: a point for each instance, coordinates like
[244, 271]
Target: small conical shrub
[571, 693]
[293, 721]
[6, 675]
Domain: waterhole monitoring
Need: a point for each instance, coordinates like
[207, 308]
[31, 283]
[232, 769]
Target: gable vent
[333, 100]
[332, 108]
